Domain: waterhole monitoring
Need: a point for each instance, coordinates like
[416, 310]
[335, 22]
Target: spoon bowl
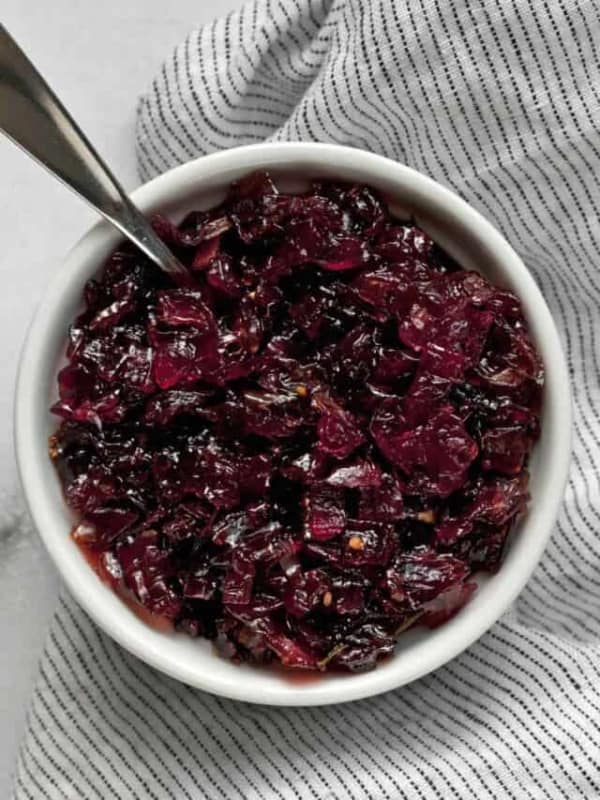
[462, 232]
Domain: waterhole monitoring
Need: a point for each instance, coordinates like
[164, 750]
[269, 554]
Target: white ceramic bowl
[203, 183]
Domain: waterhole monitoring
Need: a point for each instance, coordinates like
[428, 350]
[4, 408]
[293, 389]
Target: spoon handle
[35, 119]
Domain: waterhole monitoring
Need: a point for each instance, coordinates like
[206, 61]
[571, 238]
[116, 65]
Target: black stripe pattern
[501, 101]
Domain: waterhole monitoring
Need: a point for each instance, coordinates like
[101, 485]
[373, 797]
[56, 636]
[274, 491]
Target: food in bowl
[313, 450]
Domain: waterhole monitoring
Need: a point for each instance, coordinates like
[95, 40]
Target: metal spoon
[35, 119]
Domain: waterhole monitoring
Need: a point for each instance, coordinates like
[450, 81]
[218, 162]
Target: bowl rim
[465, 629]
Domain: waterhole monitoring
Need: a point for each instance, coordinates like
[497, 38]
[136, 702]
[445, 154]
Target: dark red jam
[314, 448]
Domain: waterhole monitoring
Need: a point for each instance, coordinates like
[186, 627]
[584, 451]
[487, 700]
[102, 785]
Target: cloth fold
[501, 101]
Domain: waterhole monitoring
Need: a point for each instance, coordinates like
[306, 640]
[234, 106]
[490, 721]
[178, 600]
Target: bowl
[202, 183]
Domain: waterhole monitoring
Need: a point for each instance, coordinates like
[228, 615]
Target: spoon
[35, 119]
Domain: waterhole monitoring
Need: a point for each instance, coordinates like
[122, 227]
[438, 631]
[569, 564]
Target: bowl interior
[201, 184]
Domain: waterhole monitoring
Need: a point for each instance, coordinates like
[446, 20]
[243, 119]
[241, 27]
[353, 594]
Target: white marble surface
[98, 57]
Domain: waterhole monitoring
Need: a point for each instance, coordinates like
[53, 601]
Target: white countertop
[98, 57]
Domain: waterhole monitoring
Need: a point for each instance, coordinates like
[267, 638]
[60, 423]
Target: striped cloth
[501, 101]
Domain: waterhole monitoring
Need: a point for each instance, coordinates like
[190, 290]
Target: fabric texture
[501, 101]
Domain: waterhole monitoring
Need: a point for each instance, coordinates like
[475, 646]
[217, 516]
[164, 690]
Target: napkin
[500, 101]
